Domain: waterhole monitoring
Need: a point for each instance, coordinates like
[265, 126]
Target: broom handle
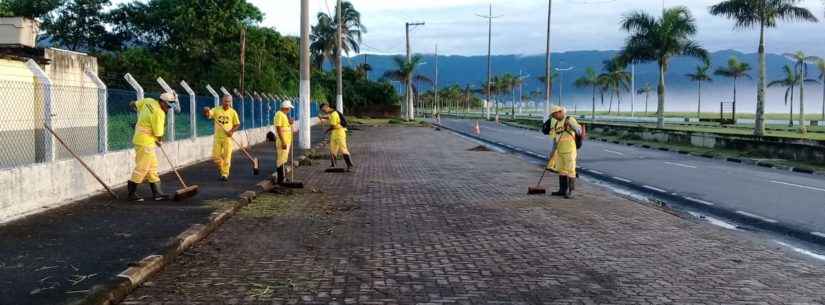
[174, 168]
[544, 172]
[245, 152]
[81, 161]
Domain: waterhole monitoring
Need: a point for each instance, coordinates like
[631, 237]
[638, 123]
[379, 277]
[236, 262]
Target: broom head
[186, 193]
[335, 170]
[293, 185]
[536, 190]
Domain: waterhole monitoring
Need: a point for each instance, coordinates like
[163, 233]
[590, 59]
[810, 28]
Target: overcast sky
[577, 25]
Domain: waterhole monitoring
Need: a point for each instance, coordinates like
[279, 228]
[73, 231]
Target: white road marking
[765, 219]
[614, 152]
[622, 179]
[596, 172]
[799, 186]
[699, 201]
[654, 188]
[680, 165]
[820, 234]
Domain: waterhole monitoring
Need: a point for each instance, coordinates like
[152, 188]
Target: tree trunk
[759, 124]
[647, 97]
[699, 105]
[802, 70]
[733, 115]
[610, 108]
[593, 110]
[618, 103]
[660, 90]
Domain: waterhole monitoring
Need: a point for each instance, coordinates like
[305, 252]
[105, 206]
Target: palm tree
[801, 68]
[659, 40]
[820, 65]
[646, 90]
[701, 75]
[616, 79]
[791, 80]
[405, 72]
[736, 70]
[324, 34]
[590, 79]
[765, 14]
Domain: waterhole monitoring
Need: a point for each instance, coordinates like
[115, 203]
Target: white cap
[168, 97]
[556, 108]
[287, 104]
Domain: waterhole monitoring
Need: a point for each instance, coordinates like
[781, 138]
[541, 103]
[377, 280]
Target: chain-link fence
[93, 120]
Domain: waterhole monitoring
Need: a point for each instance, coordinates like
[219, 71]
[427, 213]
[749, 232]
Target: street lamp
[561, 81]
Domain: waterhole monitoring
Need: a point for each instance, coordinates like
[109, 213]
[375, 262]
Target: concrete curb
[704, 206]
[748, 161]
[116, 289]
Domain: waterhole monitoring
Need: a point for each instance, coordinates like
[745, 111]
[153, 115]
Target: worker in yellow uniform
[283, 142]
[563, 160]
[149, 131]
[226, 123]
[337, 136]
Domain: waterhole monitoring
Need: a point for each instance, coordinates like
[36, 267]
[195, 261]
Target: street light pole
[410, 109]
[561, 82]
[548, 65]
[339, 96]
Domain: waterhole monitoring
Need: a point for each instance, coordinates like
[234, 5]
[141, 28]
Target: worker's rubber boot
[281, 175]
[562, 187]
[157, 192]
[571, 184]
[348, 160]
[133, 196]
[331, 161]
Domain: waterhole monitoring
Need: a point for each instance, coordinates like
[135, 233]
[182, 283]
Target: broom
[187, 191]
[108, 189]
[537, 190]
[255, 170]
[291, 183]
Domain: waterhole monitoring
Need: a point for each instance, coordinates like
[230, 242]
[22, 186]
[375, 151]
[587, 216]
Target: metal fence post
[170, 114]
[193, 123]
[102, 113]
[47, 152]
[251, 109]
[135, 85]
[243, 115]
[260, 109]
[214, 95]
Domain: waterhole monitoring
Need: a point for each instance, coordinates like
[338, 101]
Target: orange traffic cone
[477, 129]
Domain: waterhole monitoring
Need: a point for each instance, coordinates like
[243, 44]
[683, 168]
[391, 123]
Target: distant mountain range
[471, 70]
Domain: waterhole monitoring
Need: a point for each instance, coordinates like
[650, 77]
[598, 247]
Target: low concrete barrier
[38, 187]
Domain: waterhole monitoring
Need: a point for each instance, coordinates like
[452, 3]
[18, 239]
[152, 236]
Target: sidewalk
[54, 257]
[431, 221]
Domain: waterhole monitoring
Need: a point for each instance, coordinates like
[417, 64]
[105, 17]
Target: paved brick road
[428, 221]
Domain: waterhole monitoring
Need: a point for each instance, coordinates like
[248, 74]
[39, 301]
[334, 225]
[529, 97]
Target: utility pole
[304, 136]
[632, 89]
[548, 65]
[489, 18]
[410, 109]
[243, 59]
[339, 96]
[435, 87]
[561, 82]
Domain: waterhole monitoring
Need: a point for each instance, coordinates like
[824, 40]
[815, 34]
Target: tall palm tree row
[790, 81]
[324, 34]
[659, 40]
[801, 61]
[699, 76]
[764, 14]
[590, 79]
[735, 70]
[616, 79]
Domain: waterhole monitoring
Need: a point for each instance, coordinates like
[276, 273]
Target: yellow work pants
[281, 155]
[146, 165]
[222, 155]
[563, 164]
[338, 144]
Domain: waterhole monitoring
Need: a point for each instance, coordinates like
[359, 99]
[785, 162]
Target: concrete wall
[38, 187]
[768, 147]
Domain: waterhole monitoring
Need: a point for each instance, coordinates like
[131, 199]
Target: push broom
[187, 191]
[537, 190]
[108, 189]
[291, 183]
[255, 170]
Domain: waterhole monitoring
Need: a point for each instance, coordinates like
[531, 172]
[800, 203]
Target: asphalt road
[770, 195]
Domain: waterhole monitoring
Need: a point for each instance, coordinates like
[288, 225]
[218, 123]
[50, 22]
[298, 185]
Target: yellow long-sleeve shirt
[281, 120]
[224, 120]
[563, 136]
[338, 131]
[151, 123]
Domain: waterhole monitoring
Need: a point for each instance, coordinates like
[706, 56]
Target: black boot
[281, 175]
[331, 161]
[348, 160]
[562, 187]
[133, 196]
[157, 192]
[571, 185]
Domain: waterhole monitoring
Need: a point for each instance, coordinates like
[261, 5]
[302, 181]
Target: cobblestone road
[427, 220]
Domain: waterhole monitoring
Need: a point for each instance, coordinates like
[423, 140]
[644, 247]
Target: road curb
[118, 287]
[749, 161]
[704, 206]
